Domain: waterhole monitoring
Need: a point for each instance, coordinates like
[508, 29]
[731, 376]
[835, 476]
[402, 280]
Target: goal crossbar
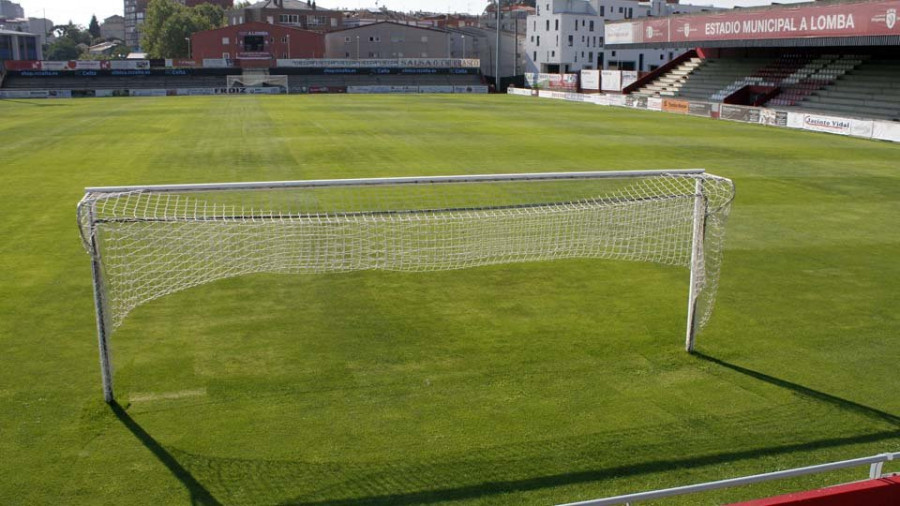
[149, 241]
[380, 181]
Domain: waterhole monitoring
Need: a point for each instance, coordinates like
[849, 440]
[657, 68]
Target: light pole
[464, 47]
[497, 58]
[190, 53]
[289, 45]
[357, 48]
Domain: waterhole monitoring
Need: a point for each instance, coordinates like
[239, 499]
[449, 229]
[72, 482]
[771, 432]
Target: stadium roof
[815, 24]
[14, 32]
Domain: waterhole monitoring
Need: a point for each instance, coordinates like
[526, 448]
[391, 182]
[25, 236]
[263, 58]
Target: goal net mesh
[153, 243]
[256, 81]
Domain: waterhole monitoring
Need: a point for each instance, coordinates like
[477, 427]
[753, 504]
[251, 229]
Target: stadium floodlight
[149, 241]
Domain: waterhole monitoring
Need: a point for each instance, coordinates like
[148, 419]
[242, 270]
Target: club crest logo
[889, 18]
[686, 29]
[649, 32]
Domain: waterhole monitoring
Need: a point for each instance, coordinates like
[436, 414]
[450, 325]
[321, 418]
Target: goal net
[257, 81]
[147, 242]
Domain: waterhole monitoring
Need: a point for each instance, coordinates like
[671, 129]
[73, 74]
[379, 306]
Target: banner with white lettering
[843, 19]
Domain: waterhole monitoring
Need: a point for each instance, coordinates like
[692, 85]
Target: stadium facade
[257, 44]
[568, 35]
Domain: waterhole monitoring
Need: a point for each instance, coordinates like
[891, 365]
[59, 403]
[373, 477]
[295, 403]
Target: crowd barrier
[20, 94]
[853, 127]
[417, 89]
[236, 90]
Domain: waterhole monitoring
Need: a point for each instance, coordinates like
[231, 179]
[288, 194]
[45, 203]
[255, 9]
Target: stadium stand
[870, 89]
[846, 83]
[101, 82]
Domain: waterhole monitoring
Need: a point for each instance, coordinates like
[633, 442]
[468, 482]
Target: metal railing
[875, 463]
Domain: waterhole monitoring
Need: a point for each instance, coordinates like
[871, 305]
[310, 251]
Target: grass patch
[533, 383]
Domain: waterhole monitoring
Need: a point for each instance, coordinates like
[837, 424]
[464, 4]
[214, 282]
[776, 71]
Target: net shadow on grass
[838, 402]
[199, 494]
[513, 468]
[248, 482]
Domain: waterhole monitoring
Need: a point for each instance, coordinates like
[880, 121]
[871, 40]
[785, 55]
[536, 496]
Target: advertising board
[739, 113]
[590, 80]
[700, 109]
[676, 106]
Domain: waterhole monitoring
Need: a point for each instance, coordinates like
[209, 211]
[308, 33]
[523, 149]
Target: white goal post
[146, 242]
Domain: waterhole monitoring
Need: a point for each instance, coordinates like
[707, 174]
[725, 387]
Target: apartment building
[568, 35]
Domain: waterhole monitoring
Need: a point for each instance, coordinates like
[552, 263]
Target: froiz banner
[831, 20]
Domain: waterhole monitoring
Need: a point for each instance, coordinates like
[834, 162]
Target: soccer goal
[146, 242]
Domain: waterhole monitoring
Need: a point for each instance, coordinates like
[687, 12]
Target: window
[602, 8]
[284, 39]
[226, 55]
[534, 56]
[346, 54]
[582, 23]
[346, 40]
[254, 43]
[553, 54]
[570, 40]
[557, 25]
[548, 25]
[538, 41]
[591, 27]
[661, 57]
[613, 53]
[576, 25]
[621, 10]
[313, 20]
[582, 39]
[591, 56]
[534, 23]
[532, 38]
[225, 41]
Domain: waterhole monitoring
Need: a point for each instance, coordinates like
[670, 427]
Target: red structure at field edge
[879, 492]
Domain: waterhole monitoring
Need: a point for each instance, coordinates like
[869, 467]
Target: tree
[62, 50]
[168, 24]
[73, 32]
[213, 14]
[94, 27]
[71, 39]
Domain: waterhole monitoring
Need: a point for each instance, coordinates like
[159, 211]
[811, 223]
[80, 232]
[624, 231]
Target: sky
[80, 11]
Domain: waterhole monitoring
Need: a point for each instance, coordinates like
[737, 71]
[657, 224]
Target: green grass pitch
[526, 384]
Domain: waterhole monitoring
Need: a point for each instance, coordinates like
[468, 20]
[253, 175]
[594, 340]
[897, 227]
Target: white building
[565, 36]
